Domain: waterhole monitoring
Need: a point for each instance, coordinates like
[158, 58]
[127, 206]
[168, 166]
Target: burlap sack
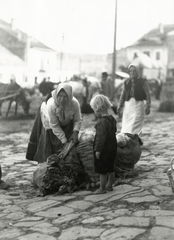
[85, 152]
[38, 175]
[127, 156]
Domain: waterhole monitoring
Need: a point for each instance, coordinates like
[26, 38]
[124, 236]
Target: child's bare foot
[100, 191]
[109, 188]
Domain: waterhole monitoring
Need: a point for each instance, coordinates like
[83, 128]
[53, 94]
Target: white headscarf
[67, 88]
[136, 68]
[133, 65]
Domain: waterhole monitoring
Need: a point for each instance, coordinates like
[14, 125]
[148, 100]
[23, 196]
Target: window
[147, 53]
[25, 79]
[157, 55]
[135, 55]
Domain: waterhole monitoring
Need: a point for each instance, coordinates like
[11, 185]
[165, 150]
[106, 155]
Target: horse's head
[24, 99]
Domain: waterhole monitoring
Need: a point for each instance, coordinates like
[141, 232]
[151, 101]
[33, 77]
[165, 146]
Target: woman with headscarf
[134, 94]
[58, 121]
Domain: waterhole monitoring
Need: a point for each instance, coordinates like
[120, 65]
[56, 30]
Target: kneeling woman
[58, 120]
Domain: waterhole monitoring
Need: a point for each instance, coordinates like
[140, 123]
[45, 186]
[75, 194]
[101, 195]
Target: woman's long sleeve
[147, 92]
[122, 97]
[77, 118]
[54, 124]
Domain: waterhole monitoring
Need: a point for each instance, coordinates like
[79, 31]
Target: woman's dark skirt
[44, 143]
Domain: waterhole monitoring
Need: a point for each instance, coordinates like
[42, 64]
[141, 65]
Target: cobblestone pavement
[140, 208]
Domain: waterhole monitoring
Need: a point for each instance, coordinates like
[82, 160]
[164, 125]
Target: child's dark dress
[105, 142]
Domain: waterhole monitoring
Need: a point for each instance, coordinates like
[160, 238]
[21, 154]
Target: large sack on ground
[38, 175]
[122, 139]
[87, 135]
[128, 155]
[64, 172]
[86, 156]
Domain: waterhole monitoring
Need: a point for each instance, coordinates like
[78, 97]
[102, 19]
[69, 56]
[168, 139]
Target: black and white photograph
[86, 119]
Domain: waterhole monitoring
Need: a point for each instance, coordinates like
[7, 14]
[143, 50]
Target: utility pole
[80, 65]
[114, 49]
[61, 53]
[27, 50]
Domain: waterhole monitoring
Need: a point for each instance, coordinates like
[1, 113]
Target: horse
[12, 92]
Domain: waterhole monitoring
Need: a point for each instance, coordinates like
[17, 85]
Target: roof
[15, 40]
[155, 36]
[148, 42]
[156, 31]
[7, 58]
[145, 61]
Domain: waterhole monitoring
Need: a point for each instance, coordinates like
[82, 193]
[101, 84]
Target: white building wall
[152, 73]
[12, 72]
[41, 63]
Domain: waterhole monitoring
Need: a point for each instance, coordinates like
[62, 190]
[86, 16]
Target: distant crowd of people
[105, 87]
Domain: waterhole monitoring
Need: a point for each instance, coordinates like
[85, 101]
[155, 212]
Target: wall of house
[170, 44]
[89, 64]
[153, 50]
[61, 66]
[16, 73]
[40, 63]
[121, 60]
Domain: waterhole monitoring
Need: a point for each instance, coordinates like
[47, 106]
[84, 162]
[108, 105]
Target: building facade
[30, 61]
[158, 44]
[23, 58]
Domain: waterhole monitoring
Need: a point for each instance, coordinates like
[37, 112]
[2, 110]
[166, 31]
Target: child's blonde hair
[100, 102]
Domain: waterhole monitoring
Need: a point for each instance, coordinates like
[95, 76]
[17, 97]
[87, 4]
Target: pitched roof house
[158, 44]
[15, 40]
[22, 56]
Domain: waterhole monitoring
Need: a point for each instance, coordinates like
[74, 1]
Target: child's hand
[97, 155]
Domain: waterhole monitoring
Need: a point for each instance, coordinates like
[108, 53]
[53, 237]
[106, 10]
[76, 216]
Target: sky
[87, 26]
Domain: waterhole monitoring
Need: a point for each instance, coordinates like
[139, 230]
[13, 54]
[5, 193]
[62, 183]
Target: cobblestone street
[139, 208]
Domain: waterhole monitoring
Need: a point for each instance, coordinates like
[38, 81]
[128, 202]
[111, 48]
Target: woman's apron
[133, 117]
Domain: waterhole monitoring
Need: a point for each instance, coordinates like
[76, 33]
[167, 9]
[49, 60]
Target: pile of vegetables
[64, 172]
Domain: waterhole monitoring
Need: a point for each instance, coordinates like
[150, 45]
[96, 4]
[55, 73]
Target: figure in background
[89, 90]
[45, 87]
[58, 120]
[108, 86]
[105, 144]
[93, 88]
[85, 107]
[134, 94]
[158, 88]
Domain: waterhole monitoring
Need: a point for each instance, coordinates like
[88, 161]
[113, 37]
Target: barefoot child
[105, 145]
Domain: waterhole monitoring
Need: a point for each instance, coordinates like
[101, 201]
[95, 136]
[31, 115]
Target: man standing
[107, 85]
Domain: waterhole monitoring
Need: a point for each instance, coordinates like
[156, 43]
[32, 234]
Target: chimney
[161, 28]
[12, 24]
